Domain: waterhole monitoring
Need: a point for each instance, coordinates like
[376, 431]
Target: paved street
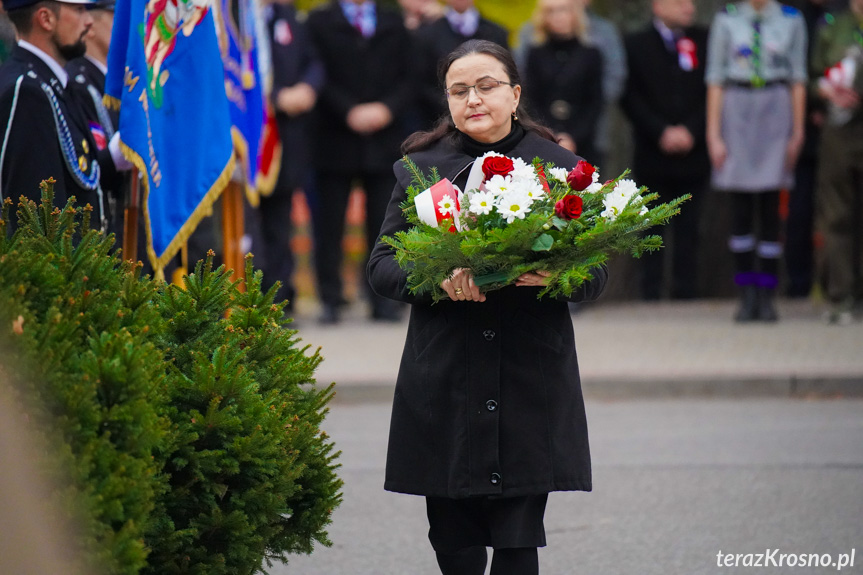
[675, 482]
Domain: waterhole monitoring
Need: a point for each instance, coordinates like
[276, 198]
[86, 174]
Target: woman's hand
[533, 279]
[460, 287]
[792, 150]
[718, 152]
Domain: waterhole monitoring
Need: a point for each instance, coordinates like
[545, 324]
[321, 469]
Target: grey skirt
[756, 128]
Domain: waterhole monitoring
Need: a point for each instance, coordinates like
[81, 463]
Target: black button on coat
[444, 440]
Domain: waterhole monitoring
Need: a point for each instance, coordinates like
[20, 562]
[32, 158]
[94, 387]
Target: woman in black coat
[488, 415]
[563, 76]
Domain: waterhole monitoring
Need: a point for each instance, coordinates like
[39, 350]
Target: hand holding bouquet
[515, 218]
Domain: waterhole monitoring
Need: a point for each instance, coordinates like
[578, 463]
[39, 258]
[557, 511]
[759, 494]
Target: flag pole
[130, 220]
[233, 229]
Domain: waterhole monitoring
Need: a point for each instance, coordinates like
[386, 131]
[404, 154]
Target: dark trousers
[274, 255]
[840, 210]
[328, 219]
[683, 244]
[798, 229]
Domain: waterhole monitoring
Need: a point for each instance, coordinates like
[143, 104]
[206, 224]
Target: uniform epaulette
[790, 11]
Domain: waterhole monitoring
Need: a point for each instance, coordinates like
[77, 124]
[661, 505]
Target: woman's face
[484, 113]
[558, 17]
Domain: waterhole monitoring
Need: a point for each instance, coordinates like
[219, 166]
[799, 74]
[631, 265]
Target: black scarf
[473, 148]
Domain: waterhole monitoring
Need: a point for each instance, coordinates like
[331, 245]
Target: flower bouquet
[516, 217]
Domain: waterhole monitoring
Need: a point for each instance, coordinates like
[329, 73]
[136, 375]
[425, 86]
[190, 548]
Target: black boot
[748, 310]
[766, 310]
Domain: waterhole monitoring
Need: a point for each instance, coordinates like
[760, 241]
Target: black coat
[360, 70]
[295, 60]
[488, 398]
[434, 42]
[660, 94]
[33, 150]
[563, 86]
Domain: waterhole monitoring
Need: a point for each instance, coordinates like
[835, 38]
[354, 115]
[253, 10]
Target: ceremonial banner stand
[233, 229]
[130, 220]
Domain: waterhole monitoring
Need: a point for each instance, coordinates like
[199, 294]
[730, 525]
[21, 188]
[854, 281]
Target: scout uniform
[839, 197]
[755, 56]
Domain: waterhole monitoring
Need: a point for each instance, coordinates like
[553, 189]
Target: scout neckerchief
[757, 78]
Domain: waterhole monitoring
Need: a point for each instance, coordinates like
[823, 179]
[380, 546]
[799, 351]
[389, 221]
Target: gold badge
[82, 163]
[85, 146]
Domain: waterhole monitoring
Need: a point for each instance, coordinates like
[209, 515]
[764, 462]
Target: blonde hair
[579, 28]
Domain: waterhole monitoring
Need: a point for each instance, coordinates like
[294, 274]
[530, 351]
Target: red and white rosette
[686, 55]
[437, 203]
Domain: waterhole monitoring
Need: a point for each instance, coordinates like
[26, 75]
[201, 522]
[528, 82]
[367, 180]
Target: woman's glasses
[483, 88]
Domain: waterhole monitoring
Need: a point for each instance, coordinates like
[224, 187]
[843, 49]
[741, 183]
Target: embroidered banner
[166, 76]
[244, 46]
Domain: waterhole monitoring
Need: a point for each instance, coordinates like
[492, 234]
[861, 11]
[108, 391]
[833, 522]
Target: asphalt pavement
[708, 437]
[676, 482]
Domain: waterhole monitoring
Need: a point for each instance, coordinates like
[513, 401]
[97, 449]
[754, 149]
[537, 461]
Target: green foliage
[498, 252]
[187, 420]
[80, 329]
[252, 475]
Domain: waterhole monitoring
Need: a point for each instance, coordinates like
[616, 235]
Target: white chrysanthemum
[513, 206]
[530, 188]
[446, 206]
[617, 199]
[595, 176]
[498, 185]
[559, 174]
[594, 188]
[521, 170]
[482, 203]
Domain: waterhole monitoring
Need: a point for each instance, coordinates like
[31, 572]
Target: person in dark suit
[365, 50]
[563, 77]
[298, 76]
[665, 99]
[461, 22]
[488, 415]
[39, 113]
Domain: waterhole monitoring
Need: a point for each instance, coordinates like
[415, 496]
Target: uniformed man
[45, 132]
[837, 71]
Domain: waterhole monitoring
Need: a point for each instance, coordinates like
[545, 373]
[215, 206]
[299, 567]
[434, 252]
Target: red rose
[568, 207]
[581, 176]
[496, 166]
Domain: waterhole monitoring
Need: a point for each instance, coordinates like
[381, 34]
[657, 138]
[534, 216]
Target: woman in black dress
[488, 415]
[563, 76]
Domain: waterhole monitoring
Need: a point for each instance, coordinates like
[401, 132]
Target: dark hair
[445, 127]
[22, 18]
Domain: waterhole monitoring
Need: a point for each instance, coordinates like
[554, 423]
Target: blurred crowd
[762, 105]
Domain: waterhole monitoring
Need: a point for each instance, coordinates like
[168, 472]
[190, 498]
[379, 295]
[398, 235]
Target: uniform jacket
[83, 73]
[295, 60]
[33, 150]
[563, 85]
[659, 93]
[434, 42]
[488, 398]
[359, 70]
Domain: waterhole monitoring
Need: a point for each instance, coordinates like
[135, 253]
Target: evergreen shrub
[188, 418]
